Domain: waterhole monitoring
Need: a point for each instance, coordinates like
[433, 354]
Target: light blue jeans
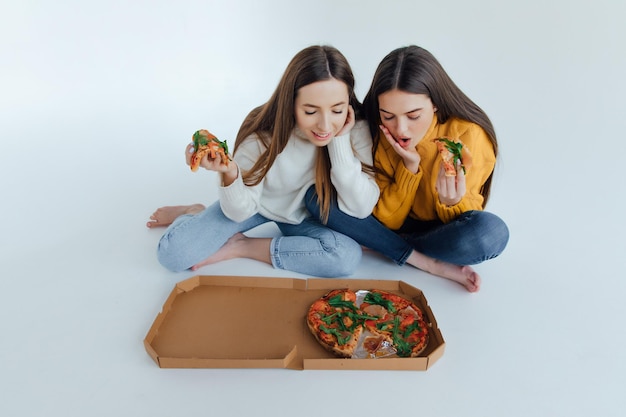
[308, 248]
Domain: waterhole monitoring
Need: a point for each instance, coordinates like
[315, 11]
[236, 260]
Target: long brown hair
[415, 70]
[274, 121]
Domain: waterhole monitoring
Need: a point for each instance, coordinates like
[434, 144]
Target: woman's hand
[410, 157]
[349, 124]
[229, 172]
[451, 189]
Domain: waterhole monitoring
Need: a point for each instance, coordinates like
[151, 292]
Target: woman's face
[321, 109]
[407, 116]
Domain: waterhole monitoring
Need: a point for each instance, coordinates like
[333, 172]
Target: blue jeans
[308, 248]
[475, 236]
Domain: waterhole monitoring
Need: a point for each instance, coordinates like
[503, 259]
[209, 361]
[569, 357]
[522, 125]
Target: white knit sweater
[280, 195]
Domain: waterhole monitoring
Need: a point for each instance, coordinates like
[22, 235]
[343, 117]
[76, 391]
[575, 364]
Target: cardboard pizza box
[258, 322]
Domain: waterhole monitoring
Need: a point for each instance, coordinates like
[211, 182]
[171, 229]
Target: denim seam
[274, 251]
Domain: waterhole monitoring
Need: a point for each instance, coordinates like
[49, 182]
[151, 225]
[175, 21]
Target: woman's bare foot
[464, 275]
[164, 216]
[240, 246]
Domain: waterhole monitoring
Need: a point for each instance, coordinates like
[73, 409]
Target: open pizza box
[258, 322]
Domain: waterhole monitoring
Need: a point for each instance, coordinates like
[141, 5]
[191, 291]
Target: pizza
[368, 324]
[452, 151]
[206, 143]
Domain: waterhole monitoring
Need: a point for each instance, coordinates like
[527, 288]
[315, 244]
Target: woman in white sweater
[309, 133]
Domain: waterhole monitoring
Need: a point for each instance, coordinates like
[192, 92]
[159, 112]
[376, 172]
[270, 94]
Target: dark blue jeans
[475, 236]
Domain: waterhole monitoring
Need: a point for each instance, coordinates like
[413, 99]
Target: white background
[98, 99]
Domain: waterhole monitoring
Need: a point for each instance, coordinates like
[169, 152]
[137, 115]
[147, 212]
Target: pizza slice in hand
[206, 143]
[452, 151]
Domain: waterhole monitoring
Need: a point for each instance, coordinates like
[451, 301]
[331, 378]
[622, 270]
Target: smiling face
[321, 109]
[408, 116]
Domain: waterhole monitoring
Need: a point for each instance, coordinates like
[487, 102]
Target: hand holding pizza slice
[205, 143]
[452, 151]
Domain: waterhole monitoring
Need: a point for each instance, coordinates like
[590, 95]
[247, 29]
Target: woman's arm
[357, 191]
[238, 200]
[398, 187]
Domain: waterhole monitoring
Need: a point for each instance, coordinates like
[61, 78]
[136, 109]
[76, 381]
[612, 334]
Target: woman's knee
[170, 257]
[344, 254]
[492, 236]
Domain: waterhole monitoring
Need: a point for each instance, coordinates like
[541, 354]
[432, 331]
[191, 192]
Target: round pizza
[368, 324]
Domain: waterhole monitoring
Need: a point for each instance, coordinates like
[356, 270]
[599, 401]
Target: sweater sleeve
[357, 191]
[483, 164]
[398, 187]
[238, 200]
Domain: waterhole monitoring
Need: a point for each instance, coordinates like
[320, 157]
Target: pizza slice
[411, 332]
[377, 345]
[206, 143]
[335, 322]
[452, 151]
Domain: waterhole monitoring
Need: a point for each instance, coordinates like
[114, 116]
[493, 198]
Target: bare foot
[464, 275]
[240, 246]
[227, 251]
[164, 216]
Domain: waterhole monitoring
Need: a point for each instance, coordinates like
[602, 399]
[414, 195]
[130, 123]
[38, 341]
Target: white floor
[91, 144]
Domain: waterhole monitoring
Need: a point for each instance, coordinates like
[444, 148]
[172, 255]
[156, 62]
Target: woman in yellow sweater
[434, 222]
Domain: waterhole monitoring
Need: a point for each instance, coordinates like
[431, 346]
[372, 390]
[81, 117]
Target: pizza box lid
[211, 321]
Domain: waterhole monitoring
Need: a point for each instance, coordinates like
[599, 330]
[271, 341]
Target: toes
[472, 282]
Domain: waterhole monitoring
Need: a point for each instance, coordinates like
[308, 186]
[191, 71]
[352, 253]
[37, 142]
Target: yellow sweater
[403, 193]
